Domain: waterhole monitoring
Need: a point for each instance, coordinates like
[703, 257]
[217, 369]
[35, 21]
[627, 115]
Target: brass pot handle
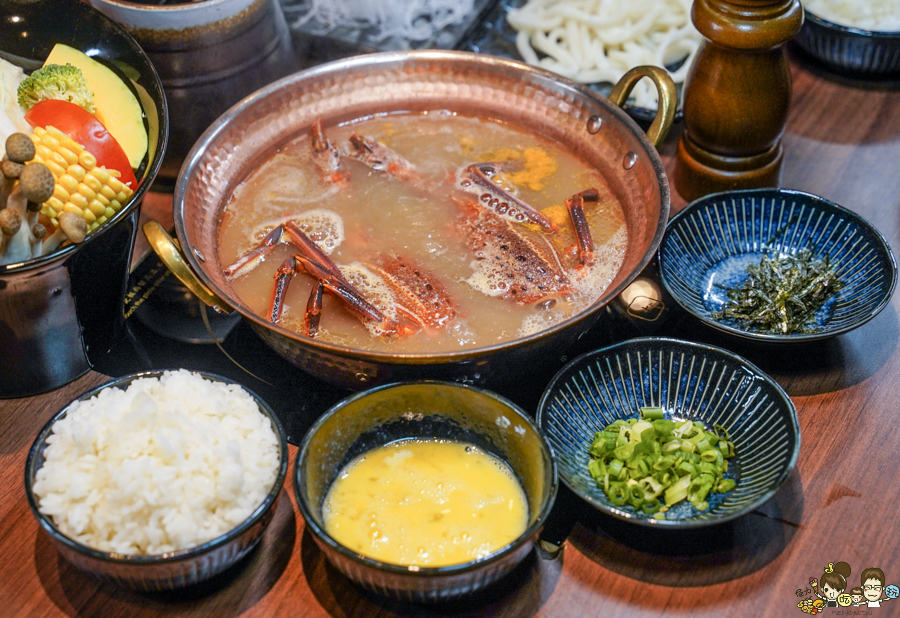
[169, 252]
[668, 98]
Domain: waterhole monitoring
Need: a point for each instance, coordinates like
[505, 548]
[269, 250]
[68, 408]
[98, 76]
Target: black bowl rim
[169, 557]
[158, 95]
[423, 571]
[888, 35]
[705, 201]
[693, 346]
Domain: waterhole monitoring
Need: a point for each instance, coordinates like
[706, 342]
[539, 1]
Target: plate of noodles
[594, 41]
[860, 40]
[387, 26]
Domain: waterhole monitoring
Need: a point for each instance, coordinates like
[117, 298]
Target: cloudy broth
[427, 225]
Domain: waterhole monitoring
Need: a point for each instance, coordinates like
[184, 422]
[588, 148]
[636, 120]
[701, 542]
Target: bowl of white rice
[859, 39]
[158, 480]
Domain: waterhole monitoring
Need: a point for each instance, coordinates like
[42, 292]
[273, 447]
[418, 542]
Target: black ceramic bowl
[689, 381]
[66, 307]
[851, 52]
[171, 570]
[435, 410]
[709, 244]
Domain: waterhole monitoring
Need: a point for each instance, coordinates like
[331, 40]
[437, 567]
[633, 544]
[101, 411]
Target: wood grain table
[840, 504]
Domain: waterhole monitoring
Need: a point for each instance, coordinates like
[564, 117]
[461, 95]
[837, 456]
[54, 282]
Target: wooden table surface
[840, 504]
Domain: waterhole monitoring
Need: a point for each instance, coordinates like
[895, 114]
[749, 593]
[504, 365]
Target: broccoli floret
[56, 81]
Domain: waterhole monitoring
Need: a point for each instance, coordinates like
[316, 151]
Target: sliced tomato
[83, 127]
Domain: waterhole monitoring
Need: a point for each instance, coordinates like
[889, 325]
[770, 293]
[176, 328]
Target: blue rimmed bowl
[852, 52]
[689, 381]
[708, 246]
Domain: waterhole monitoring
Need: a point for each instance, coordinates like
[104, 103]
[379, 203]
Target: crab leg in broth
[313, 310]
[477, 179]
[419, 294]
[326, 157]
[382, 159]
[249, 260]
[575, 206]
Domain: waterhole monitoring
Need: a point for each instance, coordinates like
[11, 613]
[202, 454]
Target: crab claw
[253, 257]
[282, 281]
[326, 157]
[575, 206]
[313, 310]
[476, 179]
[382, 159]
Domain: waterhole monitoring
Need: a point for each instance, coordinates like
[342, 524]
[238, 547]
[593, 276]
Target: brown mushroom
[10, 169]
[37, 182]
[10, 222]
[19, 148]
[73, 226]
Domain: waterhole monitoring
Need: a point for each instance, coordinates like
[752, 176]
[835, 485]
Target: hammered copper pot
[573, 115]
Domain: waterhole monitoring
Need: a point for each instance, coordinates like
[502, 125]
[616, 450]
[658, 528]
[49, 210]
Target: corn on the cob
[92, 192]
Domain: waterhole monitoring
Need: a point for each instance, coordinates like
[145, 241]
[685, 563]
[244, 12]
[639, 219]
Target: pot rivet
[362, 377]
[199, 255]
[593, 124]
[630, 160]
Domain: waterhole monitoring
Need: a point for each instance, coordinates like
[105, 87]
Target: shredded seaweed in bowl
[782, 293]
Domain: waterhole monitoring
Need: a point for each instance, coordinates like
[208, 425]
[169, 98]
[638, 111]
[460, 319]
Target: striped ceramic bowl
[709, 244]
[689, 381]
[852, 52]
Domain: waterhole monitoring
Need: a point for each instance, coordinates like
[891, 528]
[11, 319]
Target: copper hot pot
[593, 126]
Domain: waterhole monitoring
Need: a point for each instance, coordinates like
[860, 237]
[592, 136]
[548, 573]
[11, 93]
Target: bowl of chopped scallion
[669, 433]
[776, 265]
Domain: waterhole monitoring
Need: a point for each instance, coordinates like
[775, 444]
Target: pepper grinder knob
[736, 96]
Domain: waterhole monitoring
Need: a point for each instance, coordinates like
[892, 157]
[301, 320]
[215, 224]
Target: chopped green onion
[644, 461]
[649, 413]
[650, 506]
[635, 496]
[617, 493]
[725, 485]
[615, 467]
[677, 492]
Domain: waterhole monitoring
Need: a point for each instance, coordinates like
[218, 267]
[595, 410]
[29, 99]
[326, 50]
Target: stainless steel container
[60, 314]
[209, 55]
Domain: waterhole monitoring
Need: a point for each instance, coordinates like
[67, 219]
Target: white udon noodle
[875, 15]
[595, 41]
[414, 20]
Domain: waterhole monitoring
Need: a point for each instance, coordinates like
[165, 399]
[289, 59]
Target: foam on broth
[374, 213]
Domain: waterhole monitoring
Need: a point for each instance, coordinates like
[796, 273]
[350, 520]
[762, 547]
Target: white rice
[167, 464]
[875, 15]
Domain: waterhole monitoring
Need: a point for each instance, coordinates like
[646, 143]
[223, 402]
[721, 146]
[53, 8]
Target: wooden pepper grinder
[736, 96]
